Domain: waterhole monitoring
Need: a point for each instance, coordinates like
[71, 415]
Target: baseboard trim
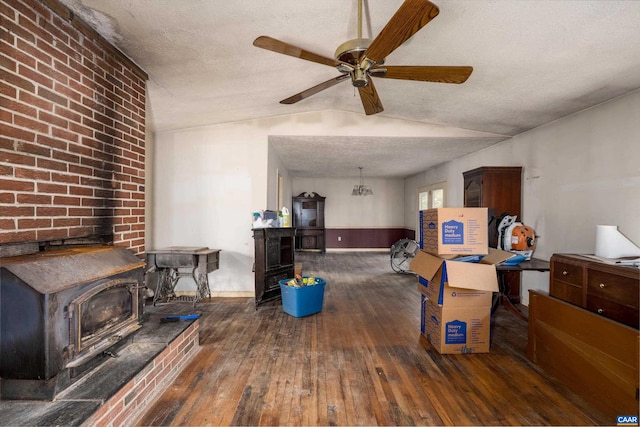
[358, 249]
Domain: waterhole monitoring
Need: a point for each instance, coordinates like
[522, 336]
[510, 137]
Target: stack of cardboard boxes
[457, 278]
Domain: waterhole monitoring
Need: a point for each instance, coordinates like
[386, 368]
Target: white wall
[580, 171]
[384, 209]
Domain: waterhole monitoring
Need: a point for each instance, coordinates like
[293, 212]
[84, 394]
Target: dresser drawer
[569, 273]
[619, 289]
[566, 292]
[607, 308]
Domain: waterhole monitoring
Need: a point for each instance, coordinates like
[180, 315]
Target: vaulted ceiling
[534, 61]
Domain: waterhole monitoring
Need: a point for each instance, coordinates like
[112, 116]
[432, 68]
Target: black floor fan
[402, 252]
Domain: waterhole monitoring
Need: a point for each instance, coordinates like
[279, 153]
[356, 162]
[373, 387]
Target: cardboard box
[454, 231]
[456, 301]
[452, 283]
[456, 330]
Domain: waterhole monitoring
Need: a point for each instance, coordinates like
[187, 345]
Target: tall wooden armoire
[308, 220]
[498, 188]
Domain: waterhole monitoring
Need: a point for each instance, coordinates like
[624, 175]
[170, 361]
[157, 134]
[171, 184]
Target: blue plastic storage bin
[302, 301]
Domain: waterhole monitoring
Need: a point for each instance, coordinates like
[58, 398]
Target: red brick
[34, 149]
[66, 178]
[34, 174]
[18, 236]
[80, 191]
[80, 211]
[52, 234]
[15, 211]
[51, 165]
[45, 187]
[34, 223]
[8, 198]
[7, 224]
[66, 200]
[33, 199]
[50, 211]
[16, 185]
[66, 222]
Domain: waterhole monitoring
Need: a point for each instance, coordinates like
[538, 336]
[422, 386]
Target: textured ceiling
[534, 61]
[336, 156]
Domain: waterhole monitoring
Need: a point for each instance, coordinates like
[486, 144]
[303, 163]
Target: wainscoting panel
[365, 238]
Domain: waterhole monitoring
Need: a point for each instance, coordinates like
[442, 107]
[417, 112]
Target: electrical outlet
[339, 238]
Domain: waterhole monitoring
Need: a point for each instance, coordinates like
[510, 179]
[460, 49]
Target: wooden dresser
[584, 332]
[609, 290]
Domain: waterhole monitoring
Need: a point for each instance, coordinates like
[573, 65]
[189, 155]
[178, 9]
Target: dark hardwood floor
[361, 361]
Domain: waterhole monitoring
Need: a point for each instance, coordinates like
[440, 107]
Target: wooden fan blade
[435, 74]
[412, 15]
[370, 99]
[269, 43]
[312, 91]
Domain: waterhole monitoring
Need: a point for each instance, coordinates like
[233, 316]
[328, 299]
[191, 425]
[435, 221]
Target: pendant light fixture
[361, 189]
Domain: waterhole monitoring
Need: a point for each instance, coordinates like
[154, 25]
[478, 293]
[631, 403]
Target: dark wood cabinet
[498, 188]
[308, 219]
[274, 261]
[611, 291]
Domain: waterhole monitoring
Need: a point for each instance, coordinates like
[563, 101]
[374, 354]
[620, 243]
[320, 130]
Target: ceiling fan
[361, 59]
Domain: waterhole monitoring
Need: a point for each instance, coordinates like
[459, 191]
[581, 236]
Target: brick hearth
[119, 390]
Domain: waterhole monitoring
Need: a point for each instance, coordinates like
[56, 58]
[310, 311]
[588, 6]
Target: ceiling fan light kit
[360, 59]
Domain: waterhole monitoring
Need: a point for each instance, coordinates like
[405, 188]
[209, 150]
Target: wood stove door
[101, 317]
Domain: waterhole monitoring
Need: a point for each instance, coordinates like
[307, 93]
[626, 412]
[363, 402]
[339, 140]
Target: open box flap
[496, 256]
[426, 265]
[481, 277]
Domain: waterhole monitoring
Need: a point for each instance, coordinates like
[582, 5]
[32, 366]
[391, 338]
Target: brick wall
[72, 145]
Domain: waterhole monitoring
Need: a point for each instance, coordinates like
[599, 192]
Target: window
[432, 196]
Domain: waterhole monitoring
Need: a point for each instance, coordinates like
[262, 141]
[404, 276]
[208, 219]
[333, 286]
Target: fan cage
[402, 252]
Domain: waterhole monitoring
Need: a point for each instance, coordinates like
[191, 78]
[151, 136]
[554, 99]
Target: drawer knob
[602, 285]
[600, 310]
[565, 272]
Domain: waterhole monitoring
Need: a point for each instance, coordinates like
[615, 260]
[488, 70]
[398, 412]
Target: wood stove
[61, 308]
